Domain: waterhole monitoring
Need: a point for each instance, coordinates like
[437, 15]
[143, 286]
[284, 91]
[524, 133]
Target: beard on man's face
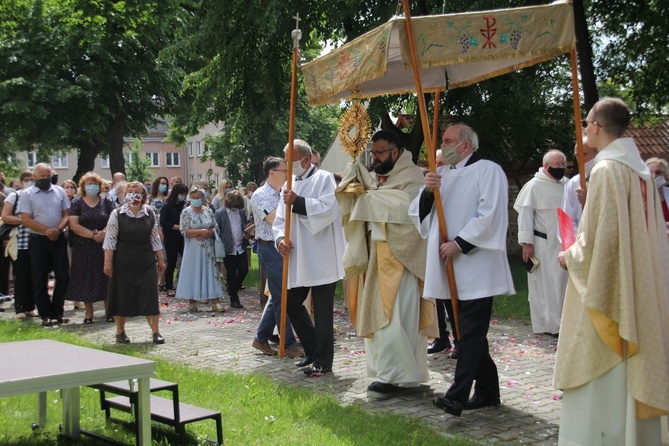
[383, 167]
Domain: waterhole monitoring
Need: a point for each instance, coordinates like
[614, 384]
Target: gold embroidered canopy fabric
[467, 48]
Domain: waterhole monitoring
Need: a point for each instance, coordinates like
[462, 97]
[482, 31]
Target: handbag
[219, 247]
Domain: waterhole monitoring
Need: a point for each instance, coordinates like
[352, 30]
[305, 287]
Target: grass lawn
[256, 410]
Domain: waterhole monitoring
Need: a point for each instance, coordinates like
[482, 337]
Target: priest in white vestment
[537, 205]
[613, 356]
[474, 194]
[571, 204]
[385, 267]
[316, 250]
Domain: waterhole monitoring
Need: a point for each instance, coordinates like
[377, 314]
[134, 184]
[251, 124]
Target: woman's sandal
[88, 320]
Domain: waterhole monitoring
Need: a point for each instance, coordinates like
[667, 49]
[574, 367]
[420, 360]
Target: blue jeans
[271, 263]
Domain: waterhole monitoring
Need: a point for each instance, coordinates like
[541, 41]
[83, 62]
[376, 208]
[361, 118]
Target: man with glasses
[264, 202]
[570, 169]
[474, 195]
[537, 205]
[384, 280]
[612, 353]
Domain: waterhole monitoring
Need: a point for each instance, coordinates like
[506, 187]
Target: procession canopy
[468, 47]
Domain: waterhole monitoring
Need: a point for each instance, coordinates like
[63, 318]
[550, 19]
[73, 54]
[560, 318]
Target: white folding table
[42, 365]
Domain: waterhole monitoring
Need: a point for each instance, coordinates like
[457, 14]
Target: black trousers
[236, 269]
[474, 361]
[47, 256]
[4, 271]
[317, 338]
[441, 319]
[24, 299]
[173, 247]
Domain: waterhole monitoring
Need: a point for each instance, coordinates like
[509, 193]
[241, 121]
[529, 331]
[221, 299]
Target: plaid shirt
[24, 233]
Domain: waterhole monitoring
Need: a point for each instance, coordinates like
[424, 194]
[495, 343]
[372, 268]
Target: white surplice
[537, 205]
[485, 270]
[320, 231]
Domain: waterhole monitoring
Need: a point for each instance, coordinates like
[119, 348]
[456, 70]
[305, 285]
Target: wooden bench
[163, 410]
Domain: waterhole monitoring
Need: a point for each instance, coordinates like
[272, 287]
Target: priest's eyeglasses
[585, 123]
[378, 153]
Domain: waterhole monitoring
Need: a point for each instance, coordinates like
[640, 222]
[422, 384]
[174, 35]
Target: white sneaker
[20, 316]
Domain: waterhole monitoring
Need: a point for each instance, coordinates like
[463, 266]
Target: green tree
[80, 74]
[138, 168]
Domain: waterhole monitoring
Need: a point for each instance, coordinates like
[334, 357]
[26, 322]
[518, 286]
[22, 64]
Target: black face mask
[43, 184]
[54, 179]
[556, 172]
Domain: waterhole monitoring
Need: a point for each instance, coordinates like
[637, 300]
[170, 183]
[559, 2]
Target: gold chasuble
[617, 301]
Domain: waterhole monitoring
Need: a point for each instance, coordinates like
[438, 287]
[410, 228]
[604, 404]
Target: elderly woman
[231, 220]
[88, 223]
[660, 169]
[132, 245]
[198, 279]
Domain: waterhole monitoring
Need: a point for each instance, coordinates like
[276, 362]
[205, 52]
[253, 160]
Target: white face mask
[660, 181]
[449, 154]
[588, 167]
[27, 184]
[298, 170]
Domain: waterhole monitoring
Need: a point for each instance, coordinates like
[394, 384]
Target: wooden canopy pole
[296, 35]
[577, 118]
[432, 165]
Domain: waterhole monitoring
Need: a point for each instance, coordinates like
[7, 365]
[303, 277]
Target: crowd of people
[605, 294]
[116, 242]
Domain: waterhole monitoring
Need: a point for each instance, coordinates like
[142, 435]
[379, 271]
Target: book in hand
[531, 264]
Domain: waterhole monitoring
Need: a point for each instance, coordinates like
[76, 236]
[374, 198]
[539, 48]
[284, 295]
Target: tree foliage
[139, 165]
[81, 74]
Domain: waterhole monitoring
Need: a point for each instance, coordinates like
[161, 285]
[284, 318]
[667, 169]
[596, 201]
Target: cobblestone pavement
[530, 408]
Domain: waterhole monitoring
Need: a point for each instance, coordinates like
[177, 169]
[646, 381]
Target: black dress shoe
[454, 352]
[317, 371]
[479, 402]
[439, 345]
[236, 304]
[379, 387]
[450, 406]
[158, 338]
[307, 360]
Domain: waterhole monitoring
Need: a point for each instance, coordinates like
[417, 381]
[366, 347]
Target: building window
[199, 148]
[172, 159]
[199, 176]
[59, 162]
[154, 157]
[104, 162]
[192, 178]
[128, 157]
[190, 150]
[32, 160]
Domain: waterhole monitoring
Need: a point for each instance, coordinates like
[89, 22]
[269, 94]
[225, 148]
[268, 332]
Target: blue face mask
[196, 203]
[92, 189]
[162, 188]
[206, 194]
[181, 198]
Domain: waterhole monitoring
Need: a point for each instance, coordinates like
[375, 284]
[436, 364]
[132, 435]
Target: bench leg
[41, 408]
[219, 429]
[143, 419]
[71, 412]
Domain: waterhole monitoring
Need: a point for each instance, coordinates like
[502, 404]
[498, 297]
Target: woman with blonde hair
[88, 222]
[132, 245]
[198, 278]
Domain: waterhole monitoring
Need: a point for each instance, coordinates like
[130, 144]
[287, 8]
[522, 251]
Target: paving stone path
[530, 409]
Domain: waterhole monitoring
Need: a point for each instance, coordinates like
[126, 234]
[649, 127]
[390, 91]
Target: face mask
[133, 198]
[27, 184]
[660, 181]
[228, 190]
[298, 170]
[92, 189]
[181, 198]
[556, 172]
[196, 203]
[449, 154]
[104, 194]
[43, 184]
[162, 188]
[54, 179]
[206, 194]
